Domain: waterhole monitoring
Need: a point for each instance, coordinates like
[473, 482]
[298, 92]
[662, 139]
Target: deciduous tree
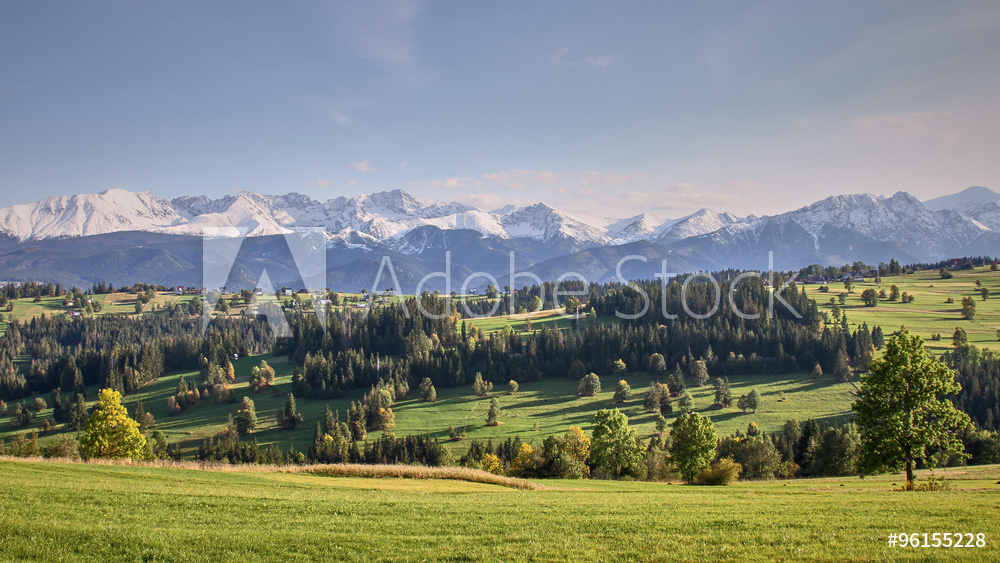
[692, 444]
[615, 446]
[902, 410]
[110, 433]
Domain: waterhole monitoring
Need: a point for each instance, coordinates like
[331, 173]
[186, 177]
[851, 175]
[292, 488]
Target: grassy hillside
[551, 404]
[929, 313]
[52, 511]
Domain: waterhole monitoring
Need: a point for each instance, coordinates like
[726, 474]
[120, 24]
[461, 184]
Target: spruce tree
[700, 373]
[288, 417]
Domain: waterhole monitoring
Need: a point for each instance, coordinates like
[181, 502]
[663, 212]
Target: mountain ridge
[546, 241]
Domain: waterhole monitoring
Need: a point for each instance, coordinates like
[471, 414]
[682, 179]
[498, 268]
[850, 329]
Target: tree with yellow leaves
[522, 465]
[110, 433]
[492, 464]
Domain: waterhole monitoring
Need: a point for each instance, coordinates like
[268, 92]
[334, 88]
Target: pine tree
[686, 403]
[493, 416]
[329, 422]
[140, 416]
[288, 417]
[675, 383]
[753, 400]
[842, 371]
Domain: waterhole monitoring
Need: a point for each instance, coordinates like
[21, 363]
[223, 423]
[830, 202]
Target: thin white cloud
[556, 58]
[363, 166]
[561, 58]
[599, 61]
[321, 183]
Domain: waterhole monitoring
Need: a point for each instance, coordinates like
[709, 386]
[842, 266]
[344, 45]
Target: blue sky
[609, 109]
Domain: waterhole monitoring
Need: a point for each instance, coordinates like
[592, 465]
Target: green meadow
[73, 512]
[538, 410]
[929, 313]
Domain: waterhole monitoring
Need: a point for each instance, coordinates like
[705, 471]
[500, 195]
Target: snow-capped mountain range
[382, 216]
[837, 229]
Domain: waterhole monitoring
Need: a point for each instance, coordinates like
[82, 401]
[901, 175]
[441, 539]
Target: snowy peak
[965, 201]
[701, 222]
[539, 221]
[88, 214]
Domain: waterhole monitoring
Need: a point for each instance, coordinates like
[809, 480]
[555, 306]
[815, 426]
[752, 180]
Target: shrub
[38, 404]
[22, 446]
[62, 446]
[512, 387]
[21, 416]
[722, 472]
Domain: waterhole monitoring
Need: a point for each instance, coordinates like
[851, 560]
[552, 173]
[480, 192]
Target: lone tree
[110, 433]
[968, 308]
[676, 381]
[289, 417]
[246, 417]
[901, 411]
[723, 395]
[870, 297]
[959, 337]
[615, 446]
[753, 400]
[481, 387]
[589, 386]
[493, 416]
[427, 390]
[692, 444]
[622, 392]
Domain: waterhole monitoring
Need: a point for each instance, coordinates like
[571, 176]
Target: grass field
[551, 404]
[69, 512]
[929, 313]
